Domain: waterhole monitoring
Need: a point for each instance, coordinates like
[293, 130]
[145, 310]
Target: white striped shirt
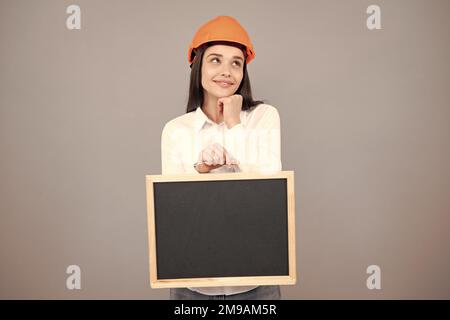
[255, 143]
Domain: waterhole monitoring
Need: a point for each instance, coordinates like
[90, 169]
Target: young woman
[224, 129]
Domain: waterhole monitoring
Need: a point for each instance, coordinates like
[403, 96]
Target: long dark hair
[195, 85]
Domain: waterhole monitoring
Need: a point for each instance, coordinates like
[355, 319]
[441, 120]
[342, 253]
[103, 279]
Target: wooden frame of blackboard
[221, 281]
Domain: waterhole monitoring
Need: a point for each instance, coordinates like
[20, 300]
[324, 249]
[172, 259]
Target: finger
[208, 157]
[219, 147]
[228, 158]
[220, 105]
[225, 155]
[214, 156]
[232, 160]
[216, 151]
[219, 155]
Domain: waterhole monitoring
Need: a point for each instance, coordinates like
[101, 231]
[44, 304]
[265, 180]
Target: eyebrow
[219, 55]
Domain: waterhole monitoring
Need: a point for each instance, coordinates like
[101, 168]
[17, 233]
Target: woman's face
[222, 70]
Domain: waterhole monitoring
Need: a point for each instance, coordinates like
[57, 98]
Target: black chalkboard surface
[221, 229]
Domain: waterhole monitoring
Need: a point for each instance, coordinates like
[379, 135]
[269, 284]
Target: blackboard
[221, 229]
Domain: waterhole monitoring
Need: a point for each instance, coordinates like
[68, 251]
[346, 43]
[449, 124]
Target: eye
[237, 62]
[215, 59]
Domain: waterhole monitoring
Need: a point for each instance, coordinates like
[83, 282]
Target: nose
[225, 72]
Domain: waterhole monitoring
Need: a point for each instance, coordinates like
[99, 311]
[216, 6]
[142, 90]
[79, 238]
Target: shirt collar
[200, 119]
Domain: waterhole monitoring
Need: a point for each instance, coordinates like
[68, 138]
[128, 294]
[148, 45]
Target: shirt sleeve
[171, 154]
[256, 146]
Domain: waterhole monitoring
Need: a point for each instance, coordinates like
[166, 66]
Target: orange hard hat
[222, 28]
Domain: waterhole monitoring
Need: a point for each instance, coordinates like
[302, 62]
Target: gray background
[365, 125]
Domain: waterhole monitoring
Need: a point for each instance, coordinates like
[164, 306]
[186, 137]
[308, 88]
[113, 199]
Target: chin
[224, 93]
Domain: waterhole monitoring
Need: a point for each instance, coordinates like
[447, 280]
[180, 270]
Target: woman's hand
[213, 157]
[231, 108]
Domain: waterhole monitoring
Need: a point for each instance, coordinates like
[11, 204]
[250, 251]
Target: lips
[224, 83]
